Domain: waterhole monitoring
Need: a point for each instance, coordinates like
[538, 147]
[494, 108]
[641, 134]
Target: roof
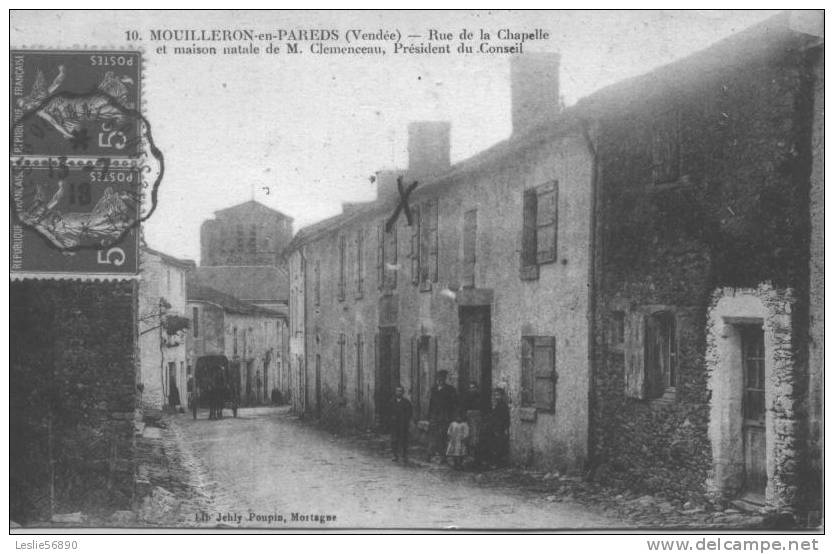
[167, 258]
[248, 283]
[773, 37]
[252, 205]
[202, 293]
[769, 37]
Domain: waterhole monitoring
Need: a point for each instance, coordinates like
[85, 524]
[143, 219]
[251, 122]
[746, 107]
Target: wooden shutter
[529, 269]
[391, 257]
[341, 364]
[547, 202]
[360, 262]
[635, 375]
[425, 250]
[433, 242]
[380, 255]
[359, 368]
[377, 379]
[317, 283]
[527, 375]
[470, 233]
[415, 245]
[395, 361]
[342, 266]
[544, 373]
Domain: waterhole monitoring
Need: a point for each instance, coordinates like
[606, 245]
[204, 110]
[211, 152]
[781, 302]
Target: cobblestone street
[265, 464]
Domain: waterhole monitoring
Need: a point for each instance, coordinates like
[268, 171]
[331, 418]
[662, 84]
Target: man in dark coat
[400, 419]
[442, 406]
[498, 428]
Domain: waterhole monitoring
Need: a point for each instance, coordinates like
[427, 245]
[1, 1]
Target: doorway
[475, 353]
[753, 409]
[387, 372]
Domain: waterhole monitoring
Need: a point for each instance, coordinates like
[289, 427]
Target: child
[458, 433]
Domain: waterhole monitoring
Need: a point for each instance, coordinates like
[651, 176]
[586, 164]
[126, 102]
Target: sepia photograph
[417, 271]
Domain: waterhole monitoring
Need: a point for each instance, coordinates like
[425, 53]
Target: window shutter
[342, 265]
[415, 367]
[470, 233]
[544, 362]
[359, 368]
[342, 364]
[360, 262]
[391, 257]
[432, 361]
[433, 242]
[527, 371]
[635, 356]
[377, 400]
[380, 255]
[546, 222]
[395, 361]
[317, 283]
[529, 270]
[415, 245]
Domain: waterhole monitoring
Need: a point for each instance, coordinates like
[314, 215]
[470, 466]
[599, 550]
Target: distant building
[162, 310]
[265, 286]
[248, 234]
[253, 338]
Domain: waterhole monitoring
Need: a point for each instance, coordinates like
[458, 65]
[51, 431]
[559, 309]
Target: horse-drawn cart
[217, 385]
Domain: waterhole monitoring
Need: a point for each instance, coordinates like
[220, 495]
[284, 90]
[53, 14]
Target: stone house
[657, 324]
[163, 360]
[489, 282]
[704, 171]
[254, 339]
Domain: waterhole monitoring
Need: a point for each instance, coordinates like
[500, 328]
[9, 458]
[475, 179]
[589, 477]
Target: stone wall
[736, 215]
[72, 399]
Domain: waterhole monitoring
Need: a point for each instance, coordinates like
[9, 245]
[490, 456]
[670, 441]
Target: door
[387, 372]
[476, 351]
[173, 399]
[753, 409]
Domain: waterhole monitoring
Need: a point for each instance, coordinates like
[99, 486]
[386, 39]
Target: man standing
[400, 419]
[442, 405]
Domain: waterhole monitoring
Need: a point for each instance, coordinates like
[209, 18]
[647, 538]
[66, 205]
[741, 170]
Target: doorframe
[486, 391]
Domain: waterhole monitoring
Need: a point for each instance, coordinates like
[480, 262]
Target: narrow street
[264, 466]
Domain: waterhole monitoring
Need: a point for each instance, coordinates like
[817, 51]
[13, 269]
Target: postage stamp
[78, 219]
[84, 169]
[66, 103]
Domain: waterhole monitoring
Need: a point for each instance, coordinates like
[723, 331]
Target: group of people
[459, 425]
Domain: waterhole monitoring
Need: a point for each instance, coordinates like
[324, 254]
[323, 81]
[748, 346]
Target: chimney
[428, 155]
[534, 85]
[428, 148]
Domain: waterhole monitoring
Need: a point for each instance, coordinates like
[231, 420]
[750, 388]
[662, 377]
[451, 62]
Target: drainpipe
[592, 292]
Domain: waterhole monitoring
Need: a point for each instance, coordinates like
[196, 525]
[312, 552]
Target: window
[538, 373]
[470, 232]
[234, 341]
[428, 245]
[666, 148]
[342, 252]
[239, 230]
[317, 283]
[387, 257]
[253, 239]
[540, 227]
[616, 333]
[360, 345]
[651, 354]
[195, 316]
[414, 255]
[341, 364]
[360, 263]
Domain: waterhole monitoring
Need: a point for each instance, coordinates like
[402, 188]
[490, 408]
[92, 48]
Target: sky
[303, 134]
